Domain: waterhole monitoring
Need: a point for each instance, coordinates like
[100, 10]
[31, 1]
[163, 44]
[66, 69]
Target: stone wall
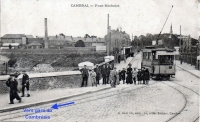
[71, 81]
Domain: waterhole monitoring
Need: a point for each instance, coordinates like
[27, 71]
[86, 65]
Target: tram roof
[159, 48]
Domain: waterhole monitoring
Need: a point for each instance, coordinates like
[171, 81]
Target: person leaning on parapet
[85, 75]
[12, 83]
[25, 84]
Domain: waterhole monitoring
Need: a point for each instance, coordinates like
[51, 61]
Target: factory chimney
[46, 42]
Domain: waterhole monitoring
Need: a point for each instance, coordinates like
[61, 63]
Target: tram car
[128, 51]
[159, 60]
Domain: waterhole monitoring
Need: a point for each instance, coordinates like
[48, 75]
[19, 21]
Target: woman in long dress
[129, 75]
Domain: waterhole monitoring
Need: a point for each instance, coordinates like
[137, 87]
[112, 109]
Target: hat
[115, 67]
[129, 64]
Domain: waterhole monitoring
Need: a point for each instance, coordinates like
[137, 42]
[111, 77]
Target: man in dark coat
[143, 75]
[120, 76]
[25, 84]
[107, 73]
[103, 72]
[147, 76]
[85, 75]
[12, 83]
[97, 70]
[123, 75]
[139, 76]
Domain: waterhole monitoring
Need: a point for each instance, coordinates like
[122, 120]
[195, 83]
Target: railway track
[79, 100]
[169, 83]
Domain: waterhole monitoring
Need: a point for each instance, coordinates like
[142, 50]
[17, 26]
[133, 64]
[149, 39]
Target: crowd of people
[111, 76]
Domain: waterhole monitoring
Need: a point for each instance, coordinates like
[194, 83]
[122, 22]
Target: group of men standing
[12, 83]
[111, 75]
[103, 71]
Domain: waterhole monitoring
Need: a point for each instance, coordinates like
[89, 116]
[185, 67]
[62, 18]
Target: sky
[136, 17]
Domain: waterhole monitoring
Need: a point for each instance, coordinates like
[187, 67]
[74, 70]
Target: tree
[193, 41]
[80, 43]
[12, 60]
[87, 36]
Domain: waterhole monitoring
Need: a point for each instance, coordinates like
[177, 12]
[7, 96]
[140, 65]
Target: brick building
[117, 39]
[14, 38]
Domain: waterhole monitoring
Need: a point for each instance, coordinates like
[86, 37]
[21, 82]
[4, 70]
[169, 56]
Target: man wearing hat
[123, 75]
[103, 72]
[12, 83]
[85, 75]
[107, 73]
[25, 84]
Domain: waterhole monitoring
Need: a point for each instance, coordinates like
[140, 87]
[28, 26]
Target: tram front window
[166, 59]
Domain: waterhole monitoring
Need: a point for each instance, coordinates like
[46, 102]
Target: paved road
[176, 100]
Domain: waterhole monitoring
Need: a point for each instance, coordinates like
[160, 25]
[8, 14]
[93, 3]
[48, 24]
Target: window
[144, 55]
[165, 59]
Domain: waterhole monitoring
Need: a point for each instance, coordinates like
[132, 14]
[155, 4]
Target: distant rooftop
[29, 36]
[58, 37]
[13, 36]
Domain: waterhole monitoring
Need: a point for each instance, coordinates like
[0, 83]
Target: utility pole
[180, 47]
[108, 31]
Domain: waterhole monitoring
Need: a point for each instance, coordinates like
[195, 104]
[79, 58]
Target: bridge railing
[39, 81]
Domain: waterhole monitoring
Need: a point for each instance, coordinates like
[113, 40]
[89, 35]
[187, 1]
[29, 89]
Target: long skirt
[129, 79]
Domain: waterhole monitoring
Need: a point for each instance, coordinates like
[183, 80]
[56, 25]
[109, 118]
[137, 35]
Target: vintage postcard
[99, 60]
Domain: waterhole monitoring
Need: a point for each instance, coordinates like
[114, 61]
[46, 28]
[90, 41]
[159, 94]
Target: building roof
[12, 44]
[13, 36]
[29, 36]
[34, 43]
[60, 38]
[88, 39]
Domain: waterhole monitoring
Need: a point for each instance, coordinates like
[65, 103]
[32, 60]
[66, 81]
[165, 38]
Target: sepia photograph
[99, 60]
